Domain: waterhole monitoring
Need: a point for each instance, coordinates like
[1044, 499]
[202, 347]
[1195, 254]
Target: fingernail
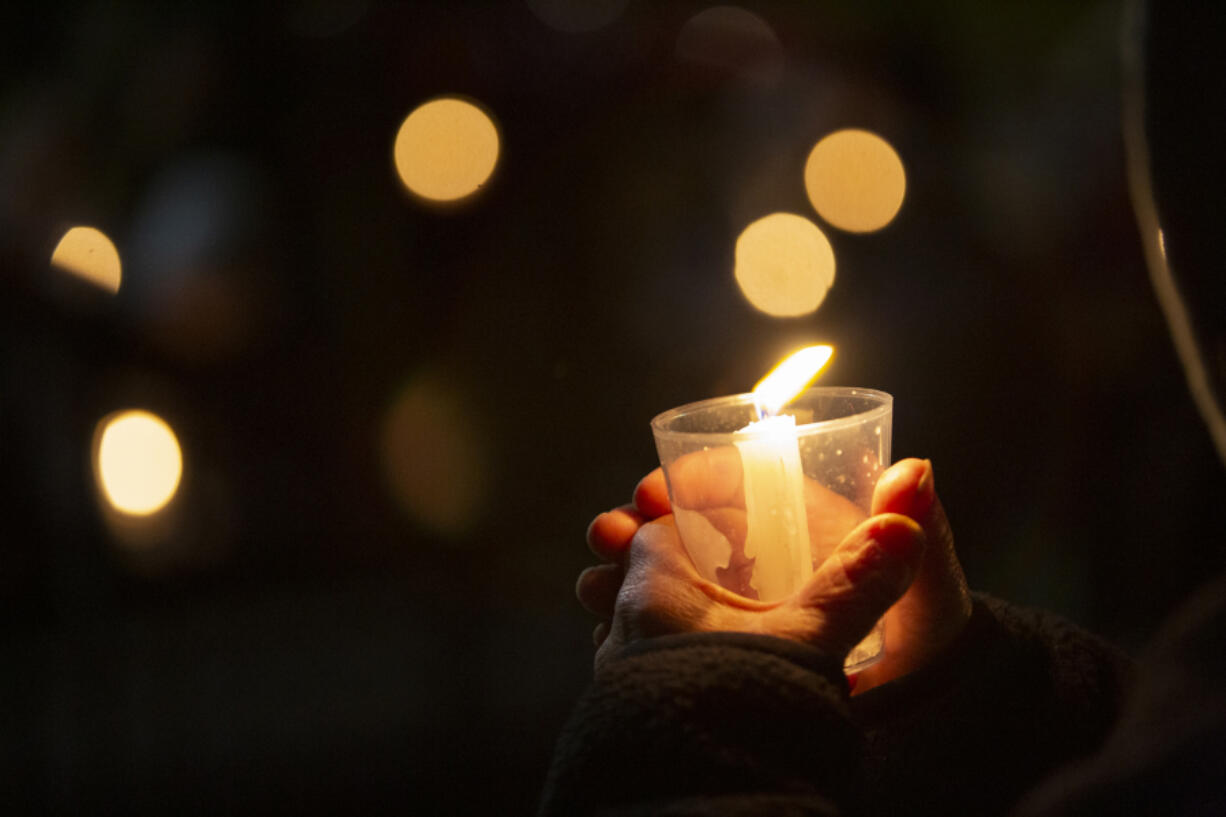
[896, 539]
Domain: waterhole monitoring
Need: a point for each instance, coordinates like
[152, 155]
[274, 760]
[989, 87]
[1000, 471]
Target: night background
[397, 418]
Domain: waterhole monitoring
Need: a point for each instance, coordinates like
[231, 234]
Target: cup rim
[659, 423]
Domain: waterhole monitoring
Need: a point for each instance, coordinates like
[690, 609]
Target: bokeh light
[732, 41]
[784, 265]
[855, 180]
[446, 149]
[137, 461]
[577, 16]
[88, 254]
[432, 461]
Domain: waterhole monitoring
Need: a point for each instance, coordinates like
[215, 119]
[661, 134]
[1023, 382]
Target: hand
[927, 618]
[662, 593]
[708, 504]
[936, 607]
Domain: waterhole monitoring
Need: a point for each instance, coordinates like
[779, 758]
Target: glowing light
[790, 377]
[784, 265]
[88, 254]
[855, 180]
[446, 150]
[432, 462]
[733, 40]
[137, 462]
[577, 16]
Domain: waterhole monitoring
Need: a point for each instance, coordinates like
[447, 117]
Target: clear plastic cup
[759, 507]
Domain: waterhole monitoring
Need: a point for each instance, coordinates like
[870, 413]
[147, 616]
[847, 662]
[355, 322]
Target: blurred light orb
[855, 180]
[446, 150]
[88, 254]
[432, 463]
[733, 40]
[784, 265]
[137, 461]
[577, 16]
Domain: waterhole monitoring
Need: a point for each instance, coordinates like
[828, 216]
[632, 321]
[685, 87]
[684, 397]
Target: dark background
[297, 641]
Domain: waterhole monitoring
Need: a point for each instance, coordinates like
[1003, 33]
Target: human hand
[662, 593]
[936, 607]
[926, 619]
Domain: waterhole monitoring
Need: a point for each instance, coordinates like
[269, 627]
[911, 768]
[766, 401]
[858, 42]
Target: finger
[597, 588]
[868, 572]
[657, 547]
[831, 516]
[610, 533]
[932, 613]
[939, 598]
[731, 523]
[907, 488]
[600, 633]
[707, 479]
[651, 495]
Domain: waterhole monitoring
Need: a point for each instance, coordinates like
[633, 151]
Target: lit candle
[777, 528]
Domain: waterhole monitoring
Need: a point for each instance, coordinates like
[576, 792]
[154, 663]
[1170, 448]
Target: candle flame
[789, 378]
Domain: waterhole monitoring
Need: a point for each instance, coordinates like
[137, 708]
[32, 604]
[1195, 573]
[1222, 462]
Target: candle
[773, 479]
[777, 528]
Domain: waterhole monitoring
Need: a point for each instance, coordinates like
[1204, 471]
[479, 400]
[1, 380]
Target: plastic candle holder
[760, 503]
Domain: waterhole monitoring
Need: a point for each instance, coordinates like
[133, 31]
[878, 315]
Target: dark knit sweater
[1020, 694]
[737, 724]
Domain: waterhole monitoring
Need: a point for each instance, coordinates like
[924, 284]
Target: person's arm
[713, 724]
[1017, 695]
[965, 712]
[705, 702]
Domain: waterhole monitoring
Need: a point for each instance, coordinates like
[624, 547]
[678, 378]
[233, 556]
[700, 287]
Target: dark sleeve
[709, 724]
[1168, 753]
[1020, 694]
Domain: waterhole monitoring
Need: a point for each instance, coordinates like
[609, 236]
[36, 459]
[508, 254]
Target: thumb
[870, 570]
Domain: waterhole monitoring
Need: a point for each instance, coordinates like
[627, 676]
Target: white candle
[777, 528]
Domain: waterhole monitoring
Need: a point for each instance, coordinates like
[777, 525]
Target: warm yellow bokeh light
[855, 180]
[784, 265]
[790, 377]
[88, 254]
[433, 463]
[446, 150]
[137, 462]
